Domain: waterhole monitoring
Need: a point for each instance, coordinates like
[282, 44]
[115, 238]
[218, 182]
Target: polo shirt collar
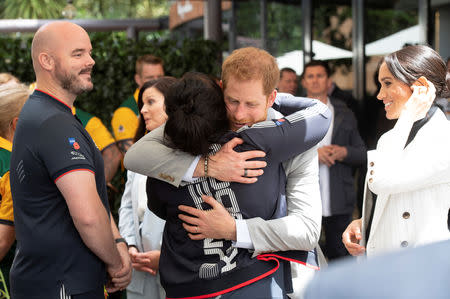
[54, 99]
[6, 144]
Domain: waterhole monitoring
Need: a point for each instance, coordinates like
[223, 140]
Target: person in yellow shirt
[125, 118]
[12, 99]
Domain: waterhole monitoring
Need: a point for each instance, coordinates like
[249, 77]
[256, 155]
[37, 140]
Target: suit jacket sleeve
[151, 157]
[299, 230]
[296, 133]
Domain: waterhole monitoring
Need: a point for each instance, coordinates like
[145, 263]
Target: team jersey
[125, 119]
[94, 126]
[210, 267]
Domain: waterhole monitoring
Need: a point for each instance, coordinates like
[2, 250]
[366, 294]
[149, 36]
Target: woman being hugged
[137, 224]
[406, 199]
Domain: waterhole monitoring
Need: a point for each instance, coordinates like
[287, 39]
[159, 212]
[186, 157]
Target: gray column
[307, 16]
[424, 21]
[212, 16]
[232, 28]
[132, 33]
[359, 66]
[263, 23]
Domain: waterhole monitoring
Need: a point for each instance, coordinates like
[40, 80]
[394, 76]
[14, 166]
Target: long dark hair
[197, 116]
[163, 85]
[412, 62]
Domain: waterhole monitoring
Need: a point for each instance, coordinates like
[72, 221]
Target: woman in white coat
[137, 224]
[407, 194]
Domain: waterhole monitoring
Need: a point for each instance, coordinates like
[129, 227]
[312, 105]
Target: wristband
[121, 240]
[206, 165]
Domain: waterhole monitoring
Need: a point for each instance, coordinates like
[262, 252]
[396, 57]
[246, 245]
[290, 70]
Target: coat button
[406, 215]
[371, 172]
[370, 180]
[371, 164]
[404, 244]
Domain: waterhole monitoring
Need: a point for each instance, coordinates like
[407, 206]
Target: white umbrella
[322, 51]
[394, 42]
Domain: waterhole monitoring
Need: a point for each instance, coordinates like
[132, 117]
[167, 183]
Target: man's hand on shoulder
[229, 165]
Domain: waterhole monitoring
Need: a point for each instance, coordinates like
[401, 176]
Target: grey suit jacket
[421, 272]
[345, 133]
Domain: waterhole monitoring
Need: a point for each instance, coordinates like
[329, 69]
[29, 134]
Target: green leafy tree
[86, 9]
[32, 9]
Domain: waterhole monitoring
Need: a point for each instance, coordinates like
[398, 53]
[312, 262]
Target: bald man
[68, 245]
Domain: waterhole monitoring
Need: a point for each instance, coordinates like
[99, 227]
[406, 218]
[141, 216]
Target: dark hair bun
[196, 114]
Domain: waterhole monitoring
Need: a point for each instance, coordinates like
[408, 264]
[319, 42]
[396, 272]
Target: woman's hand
[352, 236]
[216, 223]
[145, 261]
[421, 99]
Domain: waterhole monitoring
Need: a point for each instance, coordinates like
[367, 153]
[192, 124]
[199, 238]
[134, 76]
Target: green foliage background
[115, 57]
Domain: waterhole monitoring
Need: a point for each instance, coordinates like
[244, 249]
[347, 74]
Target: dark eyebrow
[77, 51]
[385, 78]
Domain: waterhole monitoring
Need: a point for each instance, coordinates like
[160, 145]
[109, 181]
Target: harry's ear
[46, 61]
[329, 83]
[271, 98]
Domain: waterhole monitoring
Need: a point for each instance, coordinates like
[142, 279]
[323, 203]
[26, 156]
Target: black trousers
[333, 227]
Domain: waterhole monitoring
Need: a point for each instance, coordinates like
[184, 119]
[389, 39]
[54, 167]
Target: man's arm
[111, 159]
[124, 145]
[300, 229]
[90, 217]
[121, 278]
[151, 157]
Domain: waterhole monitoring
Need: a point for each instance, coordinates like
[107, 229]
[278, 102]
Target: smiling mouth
[86, 72]
[387, 104]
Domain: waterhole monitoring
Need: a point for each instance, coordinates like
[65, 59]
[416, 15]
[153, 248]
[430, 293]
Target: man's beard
[71, 82]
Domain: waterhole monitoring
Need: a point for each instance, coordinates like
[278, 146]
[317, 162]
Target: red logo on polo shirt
[74, 143]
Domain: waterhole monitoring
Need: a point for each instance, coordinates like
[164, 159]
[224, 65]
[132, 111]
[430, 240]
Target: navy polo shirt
[50, 142]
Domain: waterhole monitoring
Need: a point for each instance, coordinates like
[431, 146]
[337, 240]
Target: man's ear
[138, 80]
[329, 83]
[271, 98]
[302, 82]
[221, 84]
[46, 61]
